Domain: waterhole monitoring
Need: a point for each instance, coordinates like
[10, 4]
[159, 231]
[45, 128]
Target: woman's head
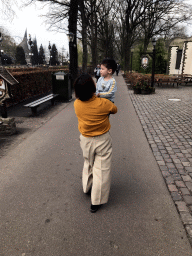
[84, 87]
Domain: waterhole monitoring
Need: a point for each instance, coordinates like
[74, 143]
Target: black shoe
[94, 208]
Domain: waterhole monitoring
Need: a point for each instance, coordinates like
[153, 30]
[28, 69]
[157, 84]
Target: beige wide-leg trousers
[97, 153]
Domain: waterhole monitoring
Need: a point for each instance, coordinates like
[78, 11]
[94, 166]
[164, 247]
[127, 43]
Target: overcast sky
[29, 18]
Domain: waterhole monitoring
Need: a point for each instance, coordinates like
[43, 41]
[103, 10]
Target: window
[178, 60]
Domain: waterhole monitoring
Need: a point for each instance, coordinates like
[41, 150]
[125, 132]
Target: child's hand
[98, 95]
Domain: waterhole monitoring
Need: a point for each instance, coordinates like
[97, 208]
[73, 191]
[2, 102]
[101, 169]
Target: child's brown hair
[110, 64]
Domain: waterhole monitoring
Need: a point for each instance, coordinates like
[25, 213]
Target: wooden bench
[184, 79]
[35, 104]
[167, 81]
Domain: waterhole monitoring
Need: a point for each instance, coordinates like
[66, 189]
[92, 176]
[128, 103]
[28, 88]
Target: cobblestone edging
[168, 128]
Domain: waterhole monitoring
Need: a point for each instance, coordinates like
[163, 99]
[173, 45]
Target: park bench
[177, 80]
[184, 79]
[34, 104]
[167, 81]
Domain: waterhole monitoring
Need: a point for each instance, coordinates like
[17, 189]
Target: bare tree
[61, 12]
[115, 25]
[6, 8]
[143, 19]
[8, 44]
[162, 16]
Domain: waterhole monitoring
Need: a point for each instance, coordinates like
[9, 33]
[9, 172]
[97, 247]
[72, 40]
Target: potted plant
[137, 88]
[146, 88]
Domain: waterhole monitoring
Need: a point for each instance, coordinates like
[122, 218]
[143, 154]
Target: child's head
[84, 87]
[110, 64]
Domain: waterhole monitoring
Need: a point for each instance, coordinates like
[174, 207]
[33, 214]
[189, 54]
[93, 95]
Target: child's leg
[88, 155]
[102, 169]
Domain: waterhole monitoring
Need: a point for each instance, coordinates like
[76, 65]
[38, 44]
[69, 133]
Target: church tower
[24, 45]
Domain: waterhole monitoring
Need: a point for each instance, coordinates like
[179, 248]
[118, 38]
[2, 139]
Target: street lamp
[31, 54]
[153, 65]
[63, 55]
[1, 52]
[30, 42]
[31, 48]
[49, 47]
[131, 59]
[71, 37]
[5, 61]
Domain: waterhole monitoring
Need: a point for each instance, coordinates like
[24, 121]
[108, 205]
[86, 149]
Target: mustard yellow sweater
[93, 115]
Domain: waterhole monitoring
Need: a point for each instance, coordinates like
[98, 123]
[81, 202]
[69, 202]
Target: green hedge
[32, 82]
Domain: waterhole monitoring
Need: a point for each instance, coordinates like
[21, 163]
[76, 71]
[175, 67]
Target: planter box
[143, 91]
[137, 90]
[148, 91]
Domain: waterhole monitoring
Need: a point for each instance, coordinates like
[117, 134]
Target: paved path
[44, 212]
[166, 118]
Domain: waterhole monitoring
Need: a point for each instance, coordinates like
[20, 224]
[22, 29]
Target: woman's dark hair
[109, 64]
[84, 87]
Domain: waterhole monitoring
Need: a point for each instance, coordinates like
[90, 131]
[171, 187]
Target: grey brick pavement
[168, 128]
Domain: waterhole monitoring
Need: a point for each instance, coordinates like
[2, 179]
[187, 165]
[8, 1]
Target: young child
[95, 140]
[106, 85]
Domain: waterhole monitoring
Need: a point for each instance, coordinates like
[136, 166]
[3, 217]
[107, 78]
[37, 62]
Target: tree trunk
[73, 28]
[94, 36]
[146, 43]
[84, 36]
[84, 43]
[127, 54]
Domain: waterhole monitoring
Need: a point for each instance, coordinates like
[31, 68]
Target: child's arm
[111, 91]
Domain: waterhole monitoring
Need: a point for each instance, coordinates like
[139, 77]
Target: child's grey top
[106, 89]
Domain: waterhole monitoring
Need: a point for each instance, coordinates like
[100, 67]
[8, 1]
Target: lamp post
[31, 48]
[31, 54]
[3, 108]
[71, 59]
[49, 47]
[153, 65]
[1, 52]
[5, 61]
[131, 59]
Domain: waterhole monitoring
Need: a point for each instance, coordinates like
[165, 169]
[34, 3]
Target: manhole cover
[175, 99]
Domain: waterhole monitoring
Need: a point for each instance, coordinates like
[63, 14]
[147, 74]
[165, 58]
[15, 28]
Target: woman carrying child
[95, 140]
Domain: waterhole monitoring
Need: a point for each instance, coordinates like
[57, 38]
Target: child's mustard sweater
[93, 116]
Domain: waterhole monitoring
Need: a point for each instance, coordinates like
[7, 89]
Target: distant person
[106, 85]
[97, 72]
[117, 69]
[95, 140]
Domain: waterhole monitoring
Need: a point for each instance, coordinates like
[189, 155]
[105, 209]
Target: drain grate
[174, 99]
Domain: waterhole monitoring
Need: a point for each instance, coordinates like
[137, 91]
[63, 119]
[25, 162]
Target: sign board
[145, 62]
[60, 77]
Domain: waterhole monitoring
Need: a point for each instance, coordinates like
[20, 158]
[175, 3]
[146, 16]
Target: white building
[181, 57]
